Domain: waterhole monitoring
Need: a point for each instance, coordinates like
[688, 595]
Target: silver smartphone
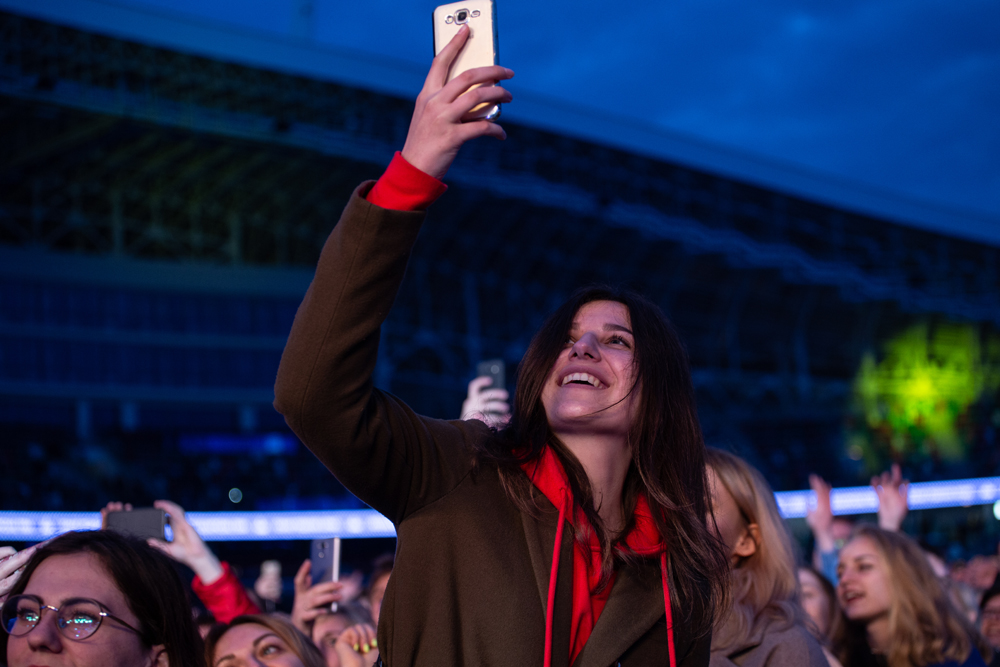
[325, 558]
[481, 49]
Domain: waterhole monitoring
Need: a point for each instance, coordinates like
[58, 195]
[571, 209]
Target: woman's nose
[585, 347]
[45, 635]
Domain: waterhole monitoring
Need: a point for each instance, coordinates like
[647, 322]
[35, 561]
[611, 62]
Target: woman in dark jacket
[575, 535]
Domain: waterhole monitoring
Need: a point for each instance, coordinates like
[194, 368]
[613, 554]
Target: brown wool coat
[472, 572]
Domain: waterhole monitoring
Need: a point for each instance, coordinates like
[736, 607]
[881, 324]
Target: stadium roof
[403, 79]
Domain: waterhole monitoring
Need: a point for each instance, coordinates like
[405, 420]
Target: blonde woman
[765, 624]
[894, 609]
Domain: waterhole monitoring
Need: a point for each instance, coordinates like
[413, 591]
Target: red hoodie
[225, 597]
[549, 477]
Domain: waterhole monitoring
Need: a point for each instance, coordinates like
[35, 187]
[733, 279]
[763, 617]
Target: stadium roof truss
[131, 152]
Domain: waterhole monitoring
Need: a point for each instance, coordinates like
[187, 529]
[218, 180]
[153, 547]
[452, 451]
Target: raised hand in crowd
[820, 517]
[187, 546]
[312, 601]
[356, 646]
[113, 506]
[487, 405]
[268, 584]
[437, 130]
[12, 564]
[215, 584]
[893, 493]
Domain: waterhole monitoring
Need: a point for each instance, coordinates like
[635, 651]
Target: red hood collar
[549, 476]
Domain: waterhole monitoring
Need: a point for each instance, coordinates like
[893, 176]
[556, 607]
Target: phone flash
[462, 16]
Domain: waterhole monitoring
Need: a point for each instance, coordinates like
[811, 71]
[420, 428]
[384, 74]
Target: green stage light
[915, 401]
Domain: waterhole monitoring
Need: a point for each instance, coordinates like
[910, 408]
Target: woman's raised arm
[390, 457]
[437, 129]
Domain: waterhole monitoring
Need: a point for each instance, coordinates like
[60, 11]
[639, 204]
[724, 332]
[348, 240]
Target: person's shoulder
[792, 644]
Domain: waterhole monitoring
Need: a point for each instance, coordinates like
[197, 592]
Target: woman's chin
[588, 419]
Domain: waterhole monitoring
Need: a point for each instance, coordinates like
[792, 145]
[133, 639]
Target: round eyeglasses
[78, 618]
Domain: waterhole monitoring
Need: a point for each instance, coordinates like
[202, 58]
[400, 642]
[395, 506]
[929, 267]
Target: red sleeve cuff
[224, 597]
[403, 187]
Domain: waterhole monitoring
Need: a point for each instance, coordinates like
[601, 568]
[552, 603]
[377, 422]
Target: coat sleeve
[225, 597]
[391, 458]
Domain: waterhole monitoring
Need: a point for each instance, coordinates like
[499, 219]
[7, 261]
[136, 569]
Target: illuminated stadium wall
[160, 213]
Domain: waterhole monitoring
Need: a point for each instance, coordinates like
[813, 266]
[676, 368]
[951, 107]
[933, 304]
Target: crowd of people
[873, 597]
[589, 525]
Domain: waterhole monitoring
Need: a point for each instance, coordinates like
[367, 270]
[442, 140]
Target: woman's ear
[158, 656]
[746, 546]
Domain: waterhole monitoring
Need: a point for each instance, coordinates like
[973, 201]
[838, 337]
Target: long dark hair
[146, 578]
[668, 451]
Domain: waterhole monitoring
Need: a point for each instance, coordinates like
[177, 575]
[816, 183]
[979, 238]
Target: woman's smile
[592, 379]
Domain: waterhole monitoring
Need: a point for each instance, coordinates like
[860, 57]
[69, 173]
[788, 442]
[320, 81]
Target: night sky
[899, 95]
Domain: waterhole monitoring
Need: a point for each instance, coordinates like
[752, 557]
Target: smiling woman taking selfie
[576, 534]
[894, 610]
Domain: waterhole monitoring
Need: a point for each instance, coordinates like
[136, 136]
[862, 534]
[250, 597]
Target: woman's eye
[618, 340]
[270, 649]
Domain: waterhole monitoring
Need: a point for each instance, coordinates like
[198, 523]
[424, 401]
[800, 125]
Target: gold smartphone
[481, 49]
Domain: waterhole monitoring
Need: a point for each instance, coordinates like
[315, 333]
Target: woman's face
[65, 577]
[864, 591]
[815, 601]
[252, 645]
[325, 632]
[989, 619]
[729, 521]
[589, 389]
[377, 594]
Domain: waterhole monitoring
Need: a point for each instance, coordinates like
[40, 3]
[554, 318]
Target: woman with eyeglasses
[98, 599]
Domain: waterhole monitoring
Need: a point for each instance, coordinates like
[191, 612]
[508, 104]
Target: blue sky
[900, 95]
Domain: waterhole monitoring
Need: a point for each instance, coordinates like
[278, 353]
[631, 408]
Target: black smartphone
[493, 369]
[142, 522]
[325, 558]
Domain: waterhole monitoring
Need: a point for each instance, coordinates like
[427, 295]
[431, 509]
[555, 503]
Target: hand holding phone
[487, 397]
[481, 49]
[186, 545]
[142, 522]
[495, 370]
[437, 130]
[316, 590]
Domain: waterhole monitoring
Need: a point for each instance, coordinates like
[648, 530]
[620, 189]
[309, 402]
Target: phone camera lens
[462, 16]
